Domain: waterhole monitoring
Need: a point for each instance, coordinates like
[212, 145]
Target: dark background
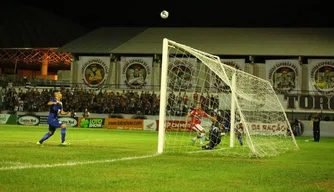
[220, 13]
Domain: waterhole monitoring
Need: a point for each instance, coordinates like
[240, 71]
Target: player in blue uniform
[56, 108]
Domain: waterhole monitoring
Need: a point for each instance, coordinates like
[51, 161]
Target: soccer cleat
[39, 144]
[193, 140]
[206, 147]
[65, 144]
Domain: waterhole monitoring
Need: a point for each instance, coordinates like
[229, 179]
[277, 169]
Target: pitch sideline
[76, 163]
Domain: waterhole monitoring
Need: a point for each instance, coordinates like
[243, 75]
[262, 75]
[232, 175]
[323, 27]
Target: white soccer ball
[164, 14]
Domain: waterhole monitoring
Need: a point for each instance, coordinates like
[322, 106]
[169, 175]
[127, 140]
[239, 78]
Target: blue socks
[48, 135]
[240, 140]
[63, 134]
[45, 137]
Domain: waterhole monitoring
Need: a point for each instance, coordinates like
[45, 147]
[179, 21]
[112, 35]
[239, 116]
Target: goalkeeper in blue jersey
[56, 108]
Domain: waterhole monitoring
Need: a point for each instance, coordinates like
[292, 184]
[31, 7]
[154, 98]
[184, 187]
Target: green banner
[91, 122]
[7, 119]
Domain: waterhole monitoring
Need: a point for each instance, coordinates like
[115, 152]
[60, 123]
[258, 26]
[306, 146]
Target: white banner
[312, 103]
[267, 129]
[94, 70]
[217, 85]
[298, 103]
[321, 75]
[182, 73]
[284, 75]
[150, 125]
[136, 72]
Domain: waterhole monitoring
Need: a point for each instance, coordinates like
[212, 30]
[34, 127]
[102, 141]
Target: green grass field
[100, 160]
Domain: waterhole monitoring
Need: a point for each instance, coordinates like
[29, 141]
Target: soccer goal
[189, 76]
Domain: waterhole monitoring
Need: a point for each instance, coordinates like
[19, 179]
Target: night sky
[209, 13]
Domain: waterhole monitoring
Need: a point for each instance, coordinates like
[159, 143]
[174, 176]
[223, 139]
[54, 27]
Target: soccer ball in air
[164, 14]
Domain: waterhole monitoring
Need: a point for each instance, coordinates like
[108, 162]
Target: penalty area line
[29, 166]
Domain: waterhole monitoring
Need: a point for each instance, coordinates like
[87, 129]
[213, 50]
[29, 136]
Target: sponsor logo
[177, 126]
[4, 118]
[150, 125]
[91, 123]
[69, 121]
[28, 120]
[125, 124]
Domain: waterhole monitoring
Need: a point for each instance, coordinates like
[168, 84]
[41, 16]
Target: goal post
[163, 96]
[237, 98]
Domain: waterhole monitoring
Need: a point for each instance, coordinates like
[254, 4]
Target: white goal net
[235, 98]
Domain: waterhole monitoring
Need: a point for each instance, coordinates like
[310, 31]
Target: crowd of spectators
[17, 94]
[78, 99]
[18, 98]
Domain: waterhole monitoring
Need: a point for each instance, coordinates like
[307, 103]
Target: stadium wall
[132, 122]
[326, 129]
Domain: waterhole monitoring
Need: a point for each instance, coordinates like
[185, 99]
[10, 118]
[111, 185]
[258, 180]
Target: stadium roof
[29, 27]
[102, 40]
[218, 41]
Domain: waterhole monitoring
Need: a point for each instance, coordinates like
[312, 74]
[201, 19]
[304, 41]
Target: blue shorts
[54, 124]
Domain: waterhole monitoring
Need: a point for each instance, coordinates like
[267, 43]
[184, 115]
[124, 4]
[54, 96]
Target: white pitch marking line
[75, 163]
[207, 151]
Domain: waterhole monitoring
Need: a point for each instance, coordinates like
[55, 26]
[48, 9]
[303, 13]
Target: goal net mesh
[190, 76]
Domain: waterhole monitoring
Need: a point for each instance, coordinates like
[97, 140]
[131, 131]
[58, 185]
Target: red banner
[177, 126]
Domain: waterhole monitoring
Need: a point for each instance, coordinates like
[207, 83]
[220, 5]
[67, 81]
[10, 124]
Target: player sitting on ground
[215, 134]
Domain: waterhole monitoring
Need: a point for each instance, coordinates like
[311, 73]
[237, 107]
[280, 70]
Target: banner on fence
[131, 124]
[150, 125]
[7, 119]
[267, 129]
[28, 120]
[90, 122]
[176, 126]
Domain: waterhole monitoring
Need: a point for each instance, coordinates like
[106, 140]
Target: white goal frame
[234, 105]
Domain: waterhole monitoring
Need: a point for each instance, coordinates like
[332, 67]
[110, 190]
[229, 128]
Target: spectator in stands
[10, 85]
[73, 113]
[86, 113]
